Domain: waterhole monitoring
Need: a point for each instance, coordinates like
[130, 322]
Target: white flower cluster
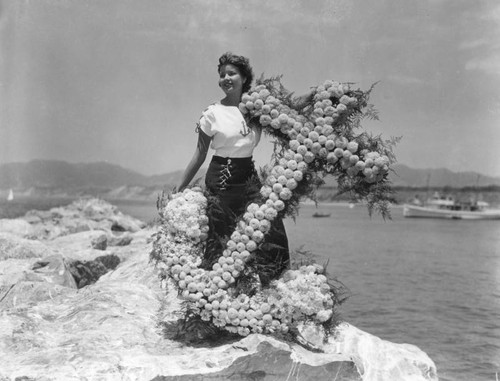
[185, 226]
[298, 295]
[185, 215]
[314, 138]
[304, 293]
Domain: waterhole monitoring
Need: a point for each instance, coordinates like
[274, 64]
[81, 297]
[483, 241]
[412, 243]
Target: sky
[125, 81]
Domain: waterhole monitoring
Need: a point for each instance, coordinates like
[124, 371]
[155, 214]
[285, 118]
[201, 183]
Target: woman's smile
[227, 85]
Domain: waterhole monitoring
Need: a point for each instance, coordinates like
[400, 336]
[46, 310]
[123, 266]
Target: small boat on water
[448, 208]
[10, 197]
[319, 214]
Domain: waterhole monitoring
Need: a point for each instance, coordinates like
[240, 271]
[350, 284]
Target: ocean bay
[432, 283]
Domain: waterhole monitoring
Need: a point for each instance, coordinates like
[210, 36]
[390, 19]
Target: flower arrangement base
[192, 330]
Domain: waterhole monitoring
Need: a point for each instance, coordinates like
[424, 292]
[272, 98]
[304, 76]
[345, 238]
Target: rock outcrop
[110, 330]
[86, 214]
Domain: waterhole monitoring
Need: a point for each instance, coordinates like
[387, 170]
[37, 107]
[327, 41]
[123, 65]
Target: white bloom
[285, 194]
[308, 143]
[291, 184]
[298, 175]
[278, 187]
[288, 155]
[309, 157]
[352, 146]
[271, 213]
[289, 171]
[341, 108]
[279, 205]
[302, 149]
[302, 166]
[257, 237]
[265, 191]
[282, 179]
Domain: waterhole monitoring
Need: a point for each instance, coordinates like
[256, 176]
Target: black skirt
[233, 183]
[229, 180]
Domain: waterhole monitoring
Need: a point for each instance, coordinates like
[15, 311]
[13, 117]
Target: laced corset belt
[228, 173]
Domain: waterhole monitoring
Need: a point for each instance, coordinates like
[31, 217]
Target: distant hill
[101, 176]
[441, 177]
[61, 174]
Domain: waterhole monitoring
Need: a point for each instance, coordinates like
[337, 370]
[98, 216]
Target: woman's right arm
[198, 159]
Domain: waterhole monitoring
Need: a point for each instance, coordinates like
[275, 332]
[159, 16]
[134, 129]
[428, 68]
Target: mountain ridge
[58, 174]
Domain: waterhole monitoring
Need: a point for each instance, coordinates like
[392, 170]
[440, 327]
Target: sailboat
[10, 197]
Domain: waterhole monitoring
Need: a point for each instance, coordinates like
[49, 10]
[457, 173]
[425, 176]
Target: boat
[448, 208]
[319, 214]
[10, 197]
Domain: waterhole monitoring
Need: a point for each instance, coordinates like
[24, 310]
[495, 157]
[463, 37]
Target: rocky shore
[79, 300]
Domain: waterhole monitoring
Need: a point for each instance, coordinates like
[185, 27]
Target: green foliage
[192, 330]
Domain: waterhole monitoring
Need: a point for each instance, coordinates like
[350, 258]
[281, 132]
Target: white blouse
[231, 137]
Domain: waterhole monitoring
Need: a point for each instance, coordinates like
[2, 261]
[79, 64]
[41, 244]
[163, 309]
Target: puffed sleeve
[207, 121]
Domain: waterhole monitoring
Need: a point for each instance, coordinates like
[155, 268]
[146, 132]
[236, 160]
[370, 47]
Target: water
[431, 283]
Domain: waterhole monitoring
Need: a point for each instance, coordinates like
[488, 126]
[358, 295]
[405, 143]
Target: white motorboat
[448, 208]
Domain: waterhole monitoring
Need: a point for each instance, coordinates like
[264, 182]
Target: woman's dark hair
[242, 63]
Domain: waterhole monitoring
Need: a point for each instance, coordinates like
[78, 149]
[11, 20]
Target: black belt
[232, 160]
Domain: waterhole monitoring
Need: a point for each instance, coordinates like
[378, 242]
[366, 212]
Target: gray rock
[13, 246]
[32, 218]
[76, 241]
[17, 226]
[110, 329]
[82, 215]
[76, 225]
[269, 363]
[119, 240]
[14, 270]
[100, 242]
[27, 295]
[88, 272]
[52, 269]
[121, 223]
[38, 215]
[25, 282]
[94, 208]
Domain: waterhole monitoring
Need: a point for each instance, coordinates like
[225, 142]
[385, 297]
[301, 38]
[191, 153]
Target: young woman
[231, 179]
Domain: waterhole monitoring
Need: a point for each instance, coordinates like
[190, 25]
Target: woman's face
[230, 80]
